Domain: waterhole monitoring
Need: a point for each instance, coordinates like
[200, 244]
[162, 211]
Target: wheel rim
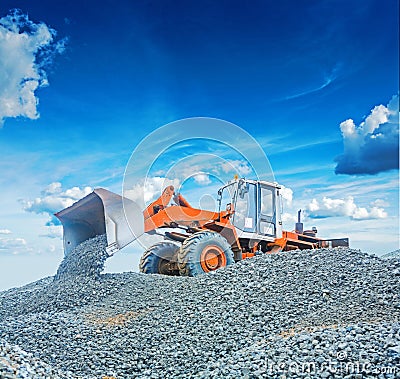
[212, 257]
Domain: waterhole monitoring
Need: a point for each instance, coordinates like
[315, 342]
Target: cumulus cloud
[196, 172]
[373, 145]
[287, 201]
[380, 203]
[289, 217]
[236, 166]
[53, 198]
[287, 195]
[26, 49]
[149, 189]
[202, 179]
[328, 207]
[13, 245]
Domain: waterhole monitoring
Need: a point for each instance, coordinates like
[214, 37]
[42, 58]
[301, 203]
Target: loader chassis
[248, 219]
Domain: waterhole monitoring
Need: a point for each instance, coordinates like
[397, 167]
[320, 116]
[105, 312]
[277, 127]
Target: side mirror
[219, 197]
[243, 189]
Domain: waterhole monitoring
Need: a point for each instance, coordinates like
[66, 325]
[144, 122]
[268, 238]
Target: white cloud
[202, 179]
[5, 231]
[53, 199]
[25, 49]
[53, 231]
[149, 189]
[190, 170]
[328, 207]
[377, 212]
[373, 145]
[354, 135]
[380, 203]
[327, 80]
[289, 217]
[236, 166]
[54, 187]
[287, 195]
[13, 245]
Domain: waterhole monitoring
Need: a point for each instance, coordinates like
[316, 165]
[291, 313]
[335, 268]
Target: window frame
[263, 217]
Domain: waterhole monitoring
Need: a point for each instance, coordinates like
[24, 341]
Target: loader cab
[256, 208]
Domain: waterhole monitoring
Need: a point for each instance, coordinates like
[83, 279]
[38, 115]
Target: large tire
[204, 252]
[156, 258]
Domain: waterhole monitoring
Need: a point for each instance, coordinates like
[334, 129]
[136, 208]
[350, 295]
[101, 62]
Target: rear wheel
[159, 259]
[204, 252]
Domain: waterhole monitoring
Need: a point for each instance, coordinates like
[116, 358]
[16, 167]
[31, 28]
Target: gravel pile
[87, 259]
[58, 296]
[327, 313]
[74, 284]
[392, 255]
[16, 363]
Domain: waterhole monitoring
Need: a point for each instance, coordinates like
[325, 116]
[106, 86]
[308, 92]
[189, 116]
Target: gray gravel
[16, 363]
[74, 284]
[320, 313]
[392, 255]
[87, 259]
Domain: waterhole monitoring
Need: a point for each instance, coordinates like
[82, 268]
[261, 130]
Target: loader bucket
[101, 212]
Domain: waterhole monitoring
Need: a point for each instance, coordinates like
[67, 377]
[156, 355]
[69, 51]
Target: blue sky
[90, 81]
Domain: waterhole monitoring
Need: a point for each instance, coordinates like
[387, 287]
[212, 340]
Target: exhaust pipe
[299, 225]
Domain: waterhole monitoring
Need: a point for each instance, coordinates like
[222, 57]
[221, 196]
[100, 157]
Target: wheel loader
[191, 241]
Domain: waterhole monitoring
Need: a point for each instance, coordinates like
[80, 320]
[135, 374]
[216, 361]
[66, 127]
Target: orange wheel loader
[191, 241]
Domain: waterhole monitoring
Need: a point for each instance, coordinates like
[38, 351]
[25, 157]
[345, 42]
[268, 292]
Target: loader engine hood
[100, 212]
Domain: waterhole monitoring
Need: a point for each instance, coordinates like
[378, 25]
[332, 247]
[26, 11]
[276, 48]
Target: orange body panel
[290, 235]
[191, 217]
[180, 215]
[248, 255]
[160, 203]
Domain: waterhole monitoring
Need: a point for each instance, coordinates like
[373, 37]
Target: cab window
[245, 209]
[266, 202]
[267, 217]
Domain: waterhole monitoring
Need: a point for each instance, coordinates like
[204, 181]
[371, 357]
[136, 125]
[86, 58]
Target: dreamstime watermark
[341, 365]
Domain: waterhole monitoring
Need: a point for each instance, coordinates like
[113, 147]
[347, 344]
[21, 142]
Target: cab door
[266, 210]
[245, 216]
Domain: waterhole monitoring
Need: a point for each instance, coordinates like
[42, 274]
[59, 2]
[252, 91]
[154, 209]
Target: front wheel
[159, 259]
[204, 252]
